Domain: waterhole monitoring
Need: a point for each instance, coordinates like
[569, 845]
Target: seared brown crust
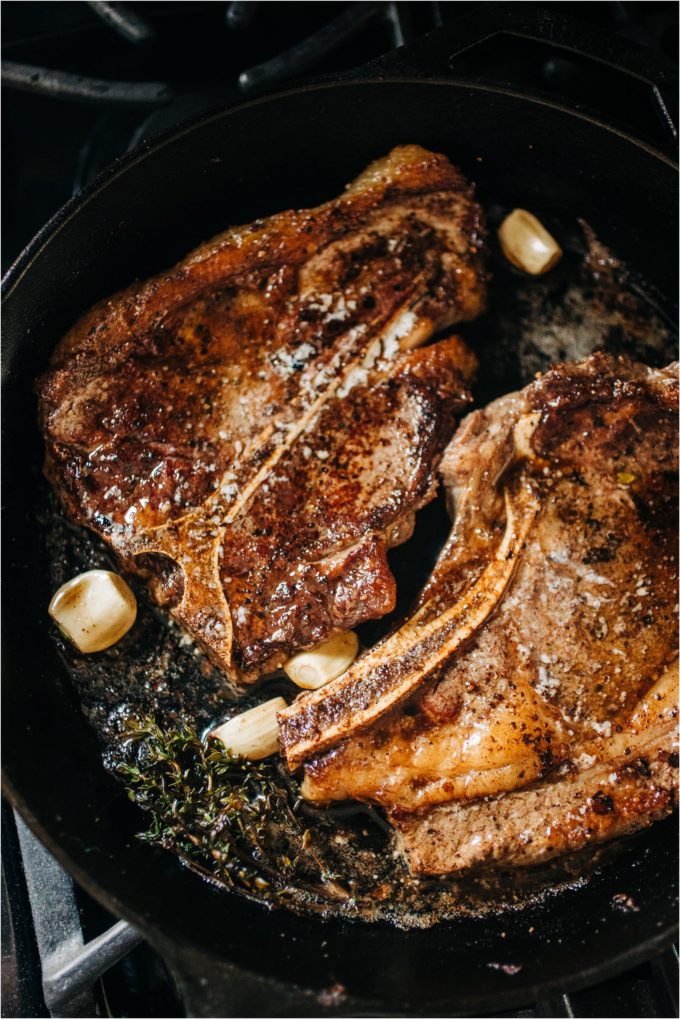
[399, 665]
[614, 797]
[267, 358]
[591, 422]
[569, 650]
[345, 493]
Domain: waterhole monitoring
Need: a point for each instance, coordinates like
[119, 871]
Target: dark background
[53, 146]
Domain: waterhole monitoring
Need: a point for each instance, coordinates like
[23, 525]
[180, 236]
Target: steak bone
[396, 667]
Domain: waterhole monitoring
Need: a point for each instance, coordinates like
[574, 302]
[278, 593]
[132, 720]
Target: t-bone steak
[529, 705]
[253, 429]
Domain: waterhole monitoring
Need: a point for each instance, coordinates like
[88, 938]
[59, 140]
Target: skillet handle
[645, 82]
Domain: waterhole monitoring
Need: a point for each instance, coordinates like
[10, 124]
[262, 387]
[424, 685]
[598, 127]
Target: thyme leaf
[229, 818]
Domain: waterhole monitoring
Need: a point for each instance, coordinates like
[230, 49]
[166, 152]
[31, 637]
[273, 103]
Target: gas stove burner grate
[124, 21]
[315, 47]
[62, 85]
[287, 65]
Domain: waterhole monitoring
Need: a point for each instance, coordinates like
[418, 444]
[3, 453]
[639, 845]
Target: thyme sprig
[227, 817]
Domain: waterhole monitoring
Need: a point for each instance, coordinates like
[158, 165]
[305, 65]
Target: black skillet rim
[23, 261]
[601, 970]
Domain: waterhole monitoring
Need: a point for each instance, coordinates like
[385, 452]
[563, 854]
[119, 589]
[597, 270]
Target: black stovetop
[162, 63]
[200, 55]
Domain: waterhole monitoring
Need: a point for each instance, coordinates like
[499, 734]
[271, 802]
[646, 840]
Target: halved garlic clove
[323, 663]
[253, 734]
[527, 244]
[94, 610]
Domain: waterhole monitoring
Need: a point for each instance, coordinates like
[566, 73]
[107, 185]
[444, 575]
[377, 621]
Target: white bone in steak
[554, 723]
[251, 430]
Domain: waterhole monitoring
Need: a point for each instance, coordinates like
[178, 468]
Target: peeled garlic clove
[94, 610]
[527, 244]
[253, 734]
[323, 663]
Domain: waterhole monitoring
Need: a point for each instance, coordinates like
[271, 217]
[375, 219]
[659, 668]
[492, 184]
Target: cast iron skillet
[298, 148]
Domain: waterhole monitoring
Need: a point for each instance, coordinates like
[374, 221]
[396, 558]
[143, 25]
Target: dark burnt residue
[602, 803]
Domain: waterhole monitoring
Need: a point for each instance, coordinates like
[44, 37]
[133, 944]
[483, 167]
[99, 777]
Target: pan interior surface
[296, 150]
